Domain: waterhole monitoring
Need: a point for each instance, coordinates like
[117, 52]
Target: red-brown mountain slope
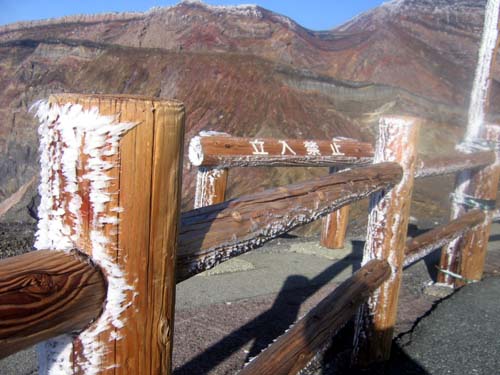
[247, 71]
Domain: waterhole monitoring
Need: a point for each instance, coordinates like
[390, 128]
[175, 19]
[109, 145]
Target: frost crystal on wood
[479, 95]
[75, 147]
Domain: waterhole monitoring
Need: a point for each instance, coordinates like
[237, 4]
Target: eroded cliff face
[246, 71]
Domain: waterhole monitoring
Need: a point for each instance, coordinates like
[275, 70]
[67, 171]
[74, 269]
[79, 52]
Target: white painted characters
[310, 148]
[335, 149]
[286, 147]
[258, 147]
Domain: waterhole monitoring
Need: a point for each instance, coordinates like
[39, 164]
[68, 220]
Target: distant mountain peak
[433, 4]
[241, 10]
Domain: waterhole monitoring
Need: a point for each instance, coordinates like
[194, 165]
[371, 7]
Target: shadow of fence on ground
[272, 323]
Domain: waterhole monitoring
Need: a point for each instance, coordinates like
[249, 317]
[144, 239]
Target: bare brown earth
[249, 72]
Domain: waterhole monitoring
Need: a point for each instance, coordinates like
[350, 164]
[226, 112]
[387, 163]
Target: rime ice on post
[211, 186]
[211, 182]
[110, 183]
[465, 256]
[481, 86]
[386, 237]
[469, 185]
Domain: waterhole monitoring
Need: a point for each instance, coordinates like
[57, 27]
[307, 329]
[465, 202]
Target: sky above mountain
[313, 14]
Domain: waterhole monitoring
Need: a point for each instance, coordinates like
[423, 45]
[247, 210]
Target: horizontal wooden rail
[225, 152]
[421, 246]
[213, 234]
[445, 165]
[44, 294]
[295, 349]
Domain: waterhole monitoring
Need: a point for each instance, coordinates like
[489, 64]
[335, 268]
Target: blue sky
[313, 14]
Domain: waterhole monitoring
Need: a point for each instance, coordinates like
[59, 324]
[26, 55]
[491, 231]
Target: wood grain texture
[213, 234]
[466, 255]
[44, 294]
[144, 198]
[386, 238]
[311, 334]
[450, 164]
[227, 152]
[334, 225]
[422, 245]
[211, 186]
[334, 229]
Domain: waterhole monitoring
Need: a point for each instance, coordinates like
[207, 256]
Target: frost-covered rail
[213, 234]
[292, 351]
[422, 245]
[210, 149]
[451, 164]
[110, 187]
[216, 153]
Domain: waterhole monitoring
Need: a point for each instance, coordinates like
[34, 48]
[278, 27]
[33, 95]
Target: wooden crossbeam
[44, 294]
[421, 246]
[213, 234]
[227, 152]
[293, 351]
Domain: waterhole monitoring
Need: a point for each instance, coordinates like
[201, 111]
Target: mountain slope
[247, 71]
[436, 41]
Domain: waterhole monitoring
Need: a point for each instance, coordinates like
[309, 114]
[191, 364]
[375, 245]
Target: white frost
[63, 131]
[482, 80]
[251, 10]
[206, 185]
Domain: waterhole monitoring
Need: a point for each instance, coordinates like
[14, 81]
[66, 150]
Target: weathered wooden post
[386, 238]
[110, 187]
[334, 226]
[211, 181]
[463, 259]
[211, 184]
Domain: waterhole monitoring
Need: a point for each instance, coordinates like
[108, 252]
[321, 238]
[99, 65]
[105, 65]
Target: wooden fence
[112, 242]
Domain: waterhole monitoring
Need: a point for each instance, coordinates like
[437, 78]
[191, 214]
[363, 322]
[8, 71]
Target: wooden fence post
[211, 181]
[334, 226]
[110, 187]
[211, 186]
[463, 259]
[386, 238]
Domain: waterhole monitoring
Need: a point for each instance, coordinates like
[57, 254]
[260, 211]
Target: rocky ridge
[247, 71]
